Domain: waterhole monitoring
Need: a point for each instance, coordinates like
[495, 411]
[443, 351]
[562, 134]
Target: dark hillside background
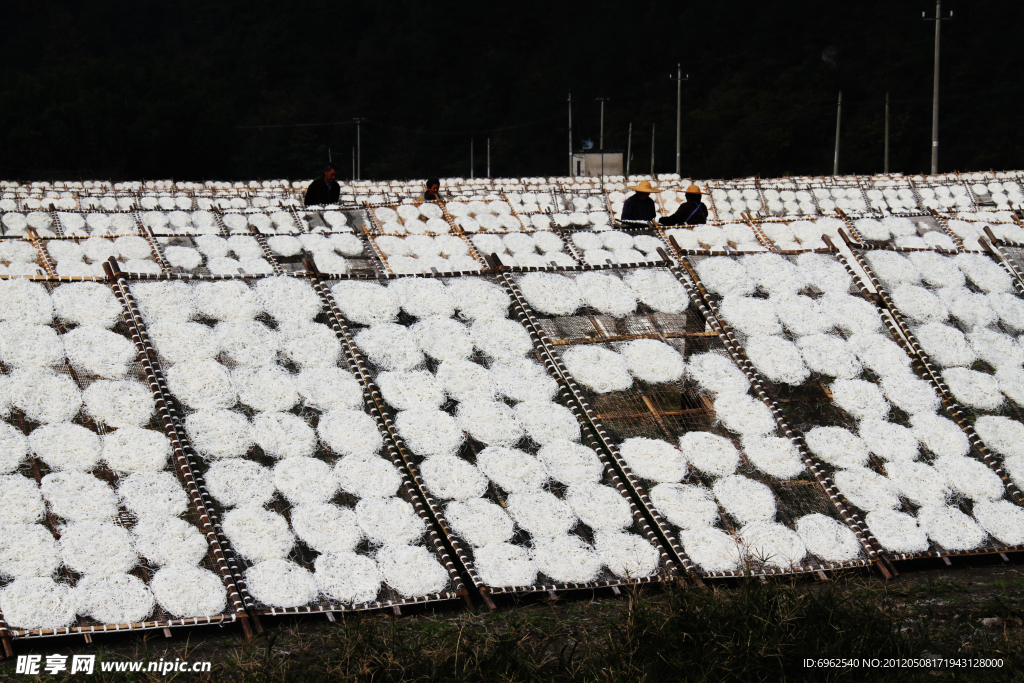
[196, 90]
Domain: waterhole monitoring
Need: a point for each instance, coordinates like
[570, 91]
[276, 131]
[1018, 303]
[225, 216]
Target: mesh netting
[809, 404]
[301, 553]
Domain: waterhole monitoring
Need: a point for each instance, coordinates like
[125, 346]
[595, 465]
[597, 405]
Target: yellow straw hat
[693, 189]
[645, 186]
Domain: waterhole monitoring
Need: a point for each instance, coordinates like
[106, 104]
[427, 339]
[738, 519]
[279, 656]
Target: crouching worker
[640, 206]
[325, 189]
[691, 212]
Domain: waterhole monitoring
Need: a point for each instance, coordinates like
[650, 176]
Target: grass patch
[751, 632]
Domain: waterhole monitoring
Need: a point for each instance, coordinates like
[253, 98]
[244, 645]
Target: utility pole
[572, 171]
[885, 167]
[488, 157]
[359, 149]
[629, 148]
[471, 157]
[839, 115]
[602, 100]
[679, 110]
[652, 150]
[353, 163]
[935, 87]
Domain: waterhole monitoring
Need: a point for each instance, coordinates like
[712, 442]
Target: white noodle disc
[464, 380]
[504, 564]
[257, 534]
[28, 550]
[551, 293]
[168, 300]
[889, 441]
[390, 346]
[187, 591]
[1001, 434]
[219, 433]
[44, 396]
[565, 559]
[347, 577]
[501, 340]
[309, 345]
[774, 455]
[424, 297]
[950, 528]
[490, 422]
[329, 389]
[710, 453]
[541, 513]
[921, 484]
[837, 446]
[411, 570]
[366, 303]
[867, 490]
[304, 481]
[443, 339]
[970, 478]
[119, 403]
[77, 496]
[30, 346]
[86, 303]
[571, 463]
[522, 379]
[744, 415]
[650, 360]
[25, 302]
[38, 603]
[266, 389]
[65, 446]
[606, 293]
[281, 583]
[367, 476]
[201, 384]
[389, 520]
[600, 507]
[828, 539]
[939, 435]
[451, 478]
[777, 359]
[283, 435]
[626, 555]
[239, 483]
[479, 521]
[685, 505]
[863, 400]
[288, 299]
[407, 390]
[513, 470]
[712, 549]
[99, 548]
[152, 494]
[773, 544]
[716, 373]
[429, 432]
[546, 422]
[746, 500]
[169, 541]
[653, 459]
[1002, 519]
[327, 528]
[350, 432]
[116, 599]
[23, 504]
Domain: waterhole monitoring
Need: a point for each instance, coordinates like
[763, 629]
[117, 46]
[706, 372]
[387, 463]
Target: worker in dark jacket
[691, 212]
[431, 191]
[324, 190]
[640, 206]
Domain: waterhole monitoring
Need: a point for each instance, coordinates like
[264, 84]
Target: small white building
[593, 163]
